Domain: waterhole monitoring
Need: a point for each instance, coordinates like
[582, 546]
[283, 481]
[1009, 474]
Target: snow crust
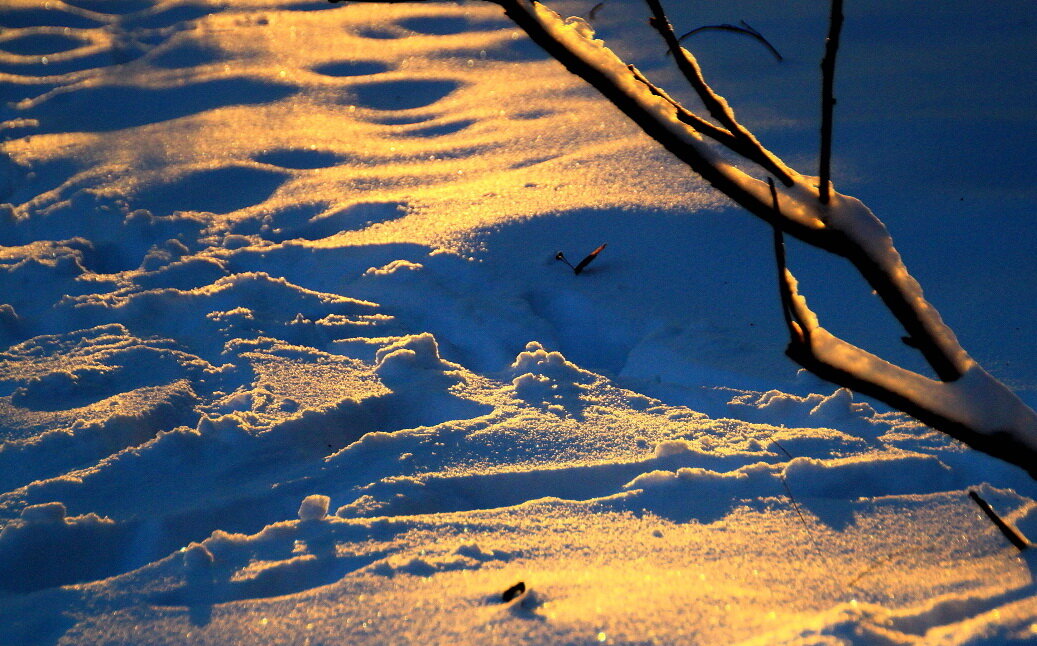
[286, 356]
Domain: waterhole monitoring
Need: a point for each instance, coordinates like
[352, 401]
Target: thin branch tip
[745, 29]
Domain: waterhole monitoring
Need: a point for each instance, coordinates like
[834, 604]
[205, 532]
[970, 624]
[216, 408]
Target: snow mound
[314, 507]
[394, 267]
[545, 378]
[536, 360]
[197, 558]
[412, 363]
[837, 410]
[44, 547]
[410, 353]
[885, 475]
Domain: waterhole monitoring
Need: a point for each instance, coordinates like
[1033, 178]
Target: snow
[286, 356]
[314, 507]
[975, 399]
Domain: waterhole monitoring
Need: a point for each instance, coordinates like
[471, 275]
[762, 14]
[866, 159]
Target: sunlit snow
[287, 357]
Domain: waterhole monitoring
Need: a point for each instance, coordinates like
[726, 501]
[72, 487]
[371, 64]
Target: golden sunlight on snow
[288, 357]
[459, 145]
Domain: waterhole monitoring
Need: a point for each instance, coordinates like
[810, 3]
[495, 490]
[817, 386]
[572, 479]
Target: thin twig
[715, 105]
[723, 137]
[779, 257]
[687, 117]
[788, 490]
[1009, 532]
[716, 133]
[835, 25]
[689, 67]
[744, 29]
[874, 565]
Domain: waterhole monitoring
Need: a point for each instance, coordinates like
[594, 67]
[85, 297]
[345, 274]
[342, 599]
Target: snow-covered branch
[976, 408]
[744, 143]
[965, 402]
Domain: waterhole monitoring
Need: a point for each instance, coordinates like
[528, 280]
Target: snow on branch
[975, 409]
[965, 401]
[748, 146]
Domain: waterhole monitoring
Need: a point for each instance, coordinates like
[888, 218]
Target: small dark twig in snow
[561, 256]
[744, 29]
[583, 263]
[1009, 532]
[591, 256]
[788, 490]
[514, 591]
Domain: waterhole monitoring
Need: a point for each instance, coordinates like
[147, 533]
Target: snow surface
[287, 357]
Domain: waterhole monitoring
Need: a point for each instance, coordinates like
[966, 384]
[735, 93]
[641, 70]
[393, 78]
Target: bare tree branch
[544, 28]
[980, 413]
[715, 104]
[965, 402]
[737, 145]
[835, 25]
[921, 322]
[784, 289]
[704, 127]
